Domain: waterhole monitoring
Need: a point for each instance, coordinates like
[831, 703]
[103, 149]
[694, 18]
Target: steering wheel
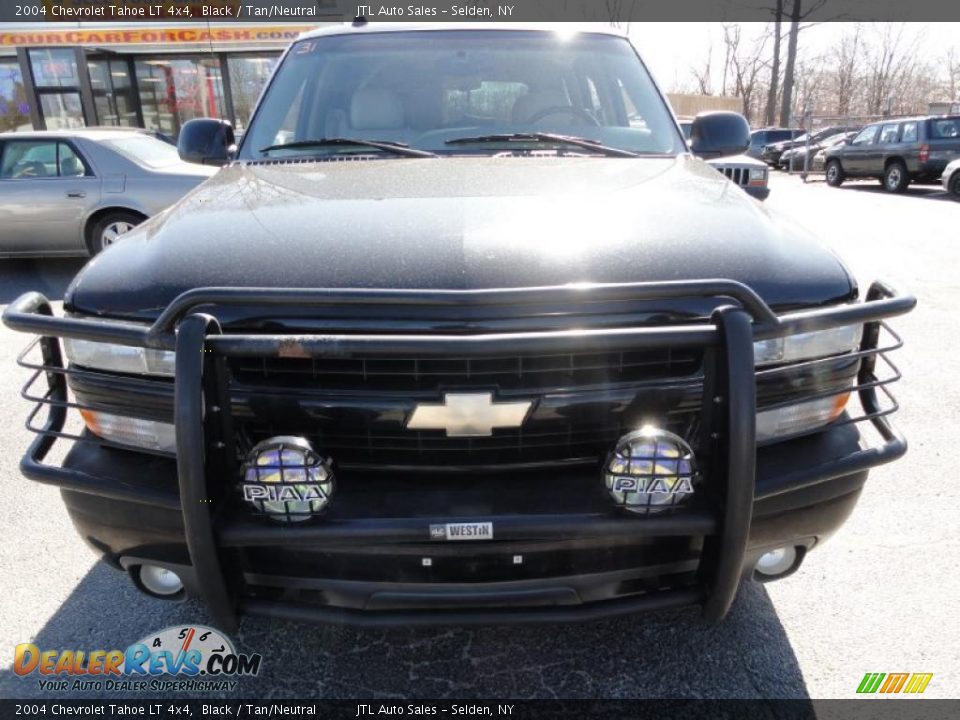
[582, 115]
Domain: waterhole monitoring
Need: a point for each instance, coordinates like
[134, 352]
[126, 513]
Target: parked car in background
[951, 179]
[759, 139]
[742, 170]
[73, 192]
[819, 161]
[747, 173]
[772, 153]
[795, 158]
[898, 152]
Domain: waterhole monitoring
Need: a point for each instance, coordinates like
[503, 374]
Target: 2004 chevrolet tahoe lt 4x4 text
[462, 332]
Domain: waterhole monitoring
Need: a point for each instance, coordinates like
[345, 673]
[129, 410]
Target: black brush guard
[205, 438]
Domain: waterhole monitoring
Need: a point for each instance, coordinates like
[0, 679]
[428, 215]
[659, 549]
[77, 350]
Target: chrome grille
[356, 409]
[737, 175]
[537, 444]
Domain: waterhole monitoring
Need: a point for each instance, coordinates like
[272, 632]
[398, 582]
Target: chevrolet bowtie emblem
[469, 415]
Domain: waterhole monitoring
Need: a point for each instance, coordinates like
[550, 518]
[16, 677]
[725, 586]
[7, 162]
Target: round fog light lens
[160, 580]
[776, 562]
[650, 470]
[285, 479]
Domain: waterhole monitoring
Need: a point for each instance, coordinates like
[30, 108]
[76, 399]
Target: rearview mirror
[718, 134]
[206, 141]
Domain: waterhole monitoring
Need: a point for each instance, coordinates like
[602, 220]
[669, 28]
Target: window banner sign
[148, 35]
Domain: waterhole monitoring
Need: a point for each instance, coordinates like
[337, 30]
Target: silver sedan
[951, 179]
[73, 192]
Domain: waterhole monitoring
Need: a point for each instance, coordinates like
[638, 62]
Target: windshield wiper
[548, 138]
[384, 145]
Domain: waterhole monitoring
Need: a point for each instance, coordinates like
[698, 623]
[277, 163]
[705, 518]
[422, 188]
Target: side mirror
[206, 141]
[718, 134]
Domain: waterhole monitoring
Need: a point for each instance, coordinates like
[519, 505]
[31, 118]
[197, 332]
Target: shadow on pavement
[931, 192]
[48, 276]
[665, 655]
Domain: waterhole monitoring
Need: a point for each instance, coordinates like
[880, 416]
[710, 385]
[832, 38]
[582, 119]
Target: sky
[672, 49]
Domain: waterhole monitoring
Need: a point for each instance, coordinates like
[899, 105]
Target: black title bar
[161, 709]
[606, 11]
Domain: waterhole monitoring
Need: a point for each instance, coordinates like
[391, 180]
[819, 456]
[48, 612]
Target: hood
[186, 170]
[730, 160]
[459, 223]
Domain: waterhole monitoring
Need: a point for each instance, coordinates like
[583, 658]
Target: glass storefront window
[61, 110]
[14, 108]
[248, 75]
[53, 67]
[112, 94]
[174, 90]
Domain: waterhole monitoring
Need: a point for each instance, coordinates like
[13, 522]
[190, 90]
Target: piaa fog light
[650, 470]
[285, 479]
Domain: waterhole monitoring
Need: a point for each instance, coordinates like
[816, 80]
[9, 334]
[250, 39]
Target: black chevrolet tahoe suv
[462, 332]
[897, 152]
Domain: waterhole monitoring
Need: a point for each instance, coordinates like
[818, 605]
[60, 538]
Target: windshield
[426, 88]
[145, 150]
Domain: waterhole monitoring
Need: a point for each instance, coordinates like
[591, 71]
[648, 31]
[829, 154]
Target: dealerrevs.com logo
[894, 683]
[199, 658]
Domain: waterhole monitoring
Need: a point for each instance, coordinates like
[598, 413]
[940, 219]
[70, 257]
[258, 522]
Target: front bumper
[365, 570]
[948, 175]
[771, 157]
[760, 192]
[365, 562]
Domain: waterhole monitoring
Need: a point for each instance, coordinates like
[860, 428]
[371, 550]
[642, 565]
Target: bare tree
[813, 83]
[952, 61]
[891, 66]
[744, 64]
[769, 115]
[797, 16]
[620, 9]
[846, 59]
[703, 75]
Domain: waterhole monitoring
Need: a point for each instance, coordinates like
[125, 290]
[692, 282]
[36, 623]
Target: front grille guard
[204, 433]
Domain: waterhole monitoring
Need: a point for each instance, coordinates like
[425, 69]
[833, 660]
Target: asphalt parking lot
[882, 596]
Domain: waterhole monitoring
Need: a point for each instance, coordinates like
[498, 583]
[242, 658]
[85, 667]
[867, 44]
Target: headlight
[807, 346]
[120, 358]
[758, 174]
[136, 432]
[799, 418]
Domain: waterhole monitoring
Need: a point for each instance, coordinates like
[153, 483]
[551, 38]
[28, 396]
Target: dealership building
[155, 76]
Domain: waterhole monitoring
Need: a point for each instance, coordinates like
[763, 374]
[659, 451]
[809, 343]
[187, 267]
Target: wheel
[109, 228]
[835, 175]
[954, 185]
[895, 177]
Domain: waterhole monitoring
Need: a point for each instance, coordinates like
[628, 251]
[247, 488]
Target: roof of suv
[915, 118]
[378, 27]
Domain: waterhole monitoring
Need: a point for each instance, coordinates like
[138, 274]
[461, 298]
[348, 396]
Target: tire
[834, 173]
[954, 185]
[105, 231]
[895, 177]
